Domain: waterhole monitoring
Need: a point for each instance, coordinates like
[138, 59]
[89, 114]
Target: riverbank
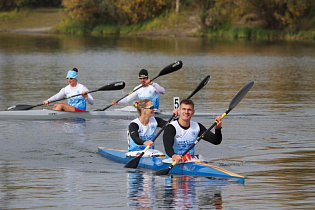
[45, 19]
[30, 21]
[185, 24]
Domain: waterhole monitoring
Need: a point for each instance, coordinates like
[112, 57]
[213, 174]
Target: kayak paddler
[151, 90]
[75, 104]
[180, 134]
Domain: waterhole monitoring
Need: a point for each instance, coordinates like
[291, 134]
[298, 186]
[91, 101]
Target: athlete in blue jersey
[75, 104]
[181, 134]
[150, 90]
[142, 130]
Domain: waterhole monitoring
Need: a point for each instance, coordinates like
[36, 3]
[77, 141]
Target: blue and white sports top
[146, 133]
[184, 138]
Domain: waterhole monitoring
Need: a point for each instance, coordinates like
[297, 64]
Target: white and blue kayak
[46, 114]
[128, 112]
[158, 162]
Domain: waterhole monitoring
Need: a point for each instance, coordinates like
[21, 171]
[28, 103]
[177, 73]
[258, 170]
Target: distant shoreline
[43, 21]
[27, 30]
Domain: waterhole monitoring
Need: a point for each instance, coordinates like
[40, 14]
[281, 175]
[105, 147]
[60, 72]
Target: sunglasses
[70, 78]
[148, 107]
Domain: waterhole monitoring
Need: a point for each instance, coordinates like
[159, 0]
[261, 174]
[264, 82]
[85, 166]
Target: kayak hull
[156, 164]
[128, 112]
[59, 115]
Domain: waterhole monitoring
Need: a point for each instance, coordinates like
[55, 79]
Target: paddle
[113, 86]
[237, 98]
[134, 162]
[167, 70]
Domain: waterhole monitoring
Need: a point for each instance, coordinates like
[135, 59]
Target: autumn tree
[277, 14]
[141, 10]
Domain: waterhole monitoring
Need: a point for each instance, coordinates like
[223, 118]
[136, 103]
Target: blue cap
[72, 74]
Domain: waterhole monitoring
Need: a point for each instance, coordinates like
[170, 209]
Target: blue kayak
[155, 163]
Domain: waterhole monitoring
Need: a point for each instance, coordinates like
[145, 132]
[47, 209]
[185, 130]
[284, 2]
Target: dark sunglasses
[148, 107]
[70, 78]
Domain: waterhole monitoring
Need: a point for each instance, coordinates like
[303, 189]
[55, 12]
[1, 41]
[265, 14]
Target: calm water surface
[268, 137]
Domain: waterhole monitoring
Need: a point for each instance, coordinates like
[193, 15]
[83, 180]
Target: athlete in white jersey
[150, 90]
[141, 131]
[77, 103]
[181, 134]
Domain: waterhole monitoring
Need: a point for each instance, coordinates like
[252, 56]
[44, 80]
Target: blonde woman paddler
[142, 130]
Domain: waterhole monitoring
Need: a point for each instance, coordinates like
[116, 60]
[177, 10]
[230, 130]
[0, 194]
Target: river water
[268, 137]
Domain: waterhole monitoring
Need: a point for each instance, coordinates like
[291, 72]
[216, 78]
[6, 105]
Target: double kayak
[128, 112]
[156, 163]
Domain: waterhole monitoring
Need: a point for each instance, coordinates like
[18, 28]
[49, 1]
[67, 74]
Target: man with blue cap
[75, 104]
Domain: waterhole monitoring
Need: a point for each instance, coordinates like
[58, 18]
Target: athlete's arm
[214, 138]
[160, 122]
[60, 95]
[158, 88]
[168, 139]
[129, 98]
[90, 98]
[133, 132]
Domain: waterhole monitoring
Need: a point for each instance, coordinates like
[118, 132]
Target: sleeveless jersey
[145, 133]
[184, 138]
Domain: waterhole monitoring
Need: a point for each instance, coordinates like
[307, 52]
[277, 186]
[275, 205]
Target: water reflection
[77, 125]
[277, 148]
[141, 190]
[146, 190]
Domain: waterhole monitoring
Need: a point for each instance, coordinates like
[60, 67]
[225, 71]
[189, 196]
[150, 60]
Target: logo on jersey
[194, 134]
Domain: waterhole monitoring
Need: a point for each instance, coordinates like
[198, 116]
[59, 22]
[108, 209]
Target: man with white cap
[75, 104]
[150, 90]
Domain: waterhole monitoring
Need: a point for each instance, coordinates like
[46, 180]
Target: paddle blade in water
[20, 107]
[134, 162]
[163, 171]
[240, 95]
[171, 68]
[113, 86]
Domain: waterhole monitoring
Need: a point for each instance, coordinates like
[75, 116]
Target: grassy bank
[185, 23]
[239, 32]
[169, 24]
[39, 20]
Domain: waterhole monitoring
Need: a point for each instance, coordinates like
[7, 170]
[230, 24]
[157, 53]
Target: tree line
[8, 5]
[290, 15]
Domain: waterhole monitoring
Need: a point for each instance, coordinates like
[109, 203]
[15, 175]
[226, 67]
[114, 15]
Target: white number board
[176, 102]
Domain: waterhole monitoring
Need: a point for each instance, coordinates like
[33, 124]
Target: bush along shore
[183, 24]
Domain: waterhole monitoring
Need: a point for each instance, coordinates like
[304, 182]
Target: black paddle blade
[171, 68]
[20, 107]
[203, 83]
[113, 86]
[134, 162]
[240, 95]
[163, 171]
